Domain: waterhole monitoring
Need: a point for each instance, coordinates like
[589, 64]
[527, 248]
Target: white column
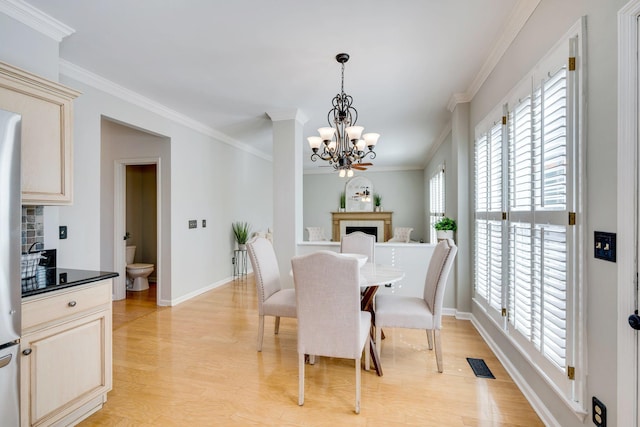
[288, 148]
[460, 146]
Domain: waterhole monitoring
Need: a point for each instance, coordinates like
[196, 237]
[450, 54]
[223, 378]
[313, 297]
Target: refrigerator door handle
[5, 360]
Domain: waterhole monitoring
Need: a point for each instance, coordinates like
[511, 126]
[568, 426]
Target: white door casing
[628, 84]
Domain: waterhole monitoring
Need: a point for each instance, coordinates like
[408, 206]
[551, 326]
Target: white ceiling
[227, 63]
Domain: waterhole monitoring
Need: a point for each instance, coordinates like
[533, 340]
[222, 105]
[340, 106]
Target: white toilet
[137, 273]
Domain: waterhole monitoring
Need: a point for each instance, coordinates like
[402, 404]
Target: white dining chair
[273, 300]
[330, 321]
[359, 243]
[394, 311]
[401, 234]
[316, 234]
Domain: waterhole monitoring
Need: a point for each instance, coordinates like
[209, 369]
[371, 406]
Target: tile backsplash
[32, 227]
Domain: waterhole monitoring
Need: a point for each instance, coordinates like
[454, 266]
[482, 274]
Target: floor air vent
[480, 368]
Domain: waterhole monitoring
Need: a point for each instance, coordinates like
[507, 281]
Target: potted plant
[241, 232]
[377, 202]
[343, 201]
[445, 228]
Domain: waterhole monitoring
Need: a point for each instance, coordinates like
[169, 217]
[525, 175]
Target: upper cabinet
[47, 130]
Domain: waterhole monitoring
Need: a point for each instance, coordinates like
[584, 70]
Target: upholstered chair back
[359, 243]
[437, 277]
[265, 269]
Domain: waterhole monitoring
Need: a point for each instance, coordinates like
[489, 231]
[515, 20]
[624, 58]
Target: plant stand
[239, 262]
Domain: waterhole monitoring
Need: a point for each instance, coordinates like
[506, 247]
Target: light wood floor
[196, 364]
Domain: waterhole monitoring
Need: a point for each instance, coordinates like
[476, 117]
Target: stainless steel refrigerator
[10, 287]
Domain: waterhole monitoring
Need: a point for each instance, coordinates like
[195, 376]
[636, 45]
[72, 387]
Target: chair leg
[277, 325]
[300, 379]
[358, 374]
[436, 333]
[378, 340]
[367, 354]
[430, 338]
[260, 331]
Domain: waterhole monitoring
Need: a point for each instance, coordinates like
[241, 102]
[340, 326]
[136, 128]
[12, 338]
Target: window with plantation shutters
[488, 216]
[525, 237]
[436, 200]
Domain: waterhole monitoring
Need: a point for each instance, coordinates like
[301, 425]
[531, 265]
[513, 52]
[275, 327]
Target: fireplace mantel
[337, 217]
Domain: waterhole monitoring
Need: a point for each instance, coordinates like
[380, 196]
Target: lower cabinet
[65, 371]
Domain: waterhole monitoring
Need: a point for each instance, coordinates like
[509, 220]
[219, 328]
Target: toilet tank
[131, 254]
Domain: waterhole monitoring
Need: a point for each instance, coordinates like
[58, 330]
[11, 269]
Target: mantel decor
[340, 144]
[359, 194]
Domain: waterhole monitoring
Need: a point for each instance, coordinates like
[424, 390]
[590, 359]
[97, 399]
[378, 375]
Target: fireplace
[363, 221]
[369, 230]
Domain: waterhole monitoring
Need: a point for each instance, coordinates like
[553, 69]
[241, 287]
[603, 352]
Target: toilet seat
[138, 266]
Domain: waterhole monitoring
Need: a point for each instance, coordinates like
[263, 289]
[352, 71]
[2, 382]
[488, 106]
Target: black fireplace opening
[369, 230]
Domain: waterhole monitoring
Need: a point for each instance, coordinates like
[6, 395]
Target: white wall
[30, 50]
[402, 193]
[209, 179]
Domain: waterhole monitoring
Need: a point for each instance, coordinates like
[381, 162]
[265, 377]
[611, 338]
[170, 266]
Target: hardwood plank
[196, 364]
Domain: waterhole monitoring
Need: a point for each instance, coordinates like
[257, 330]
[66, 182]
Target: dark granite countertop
[53, 279]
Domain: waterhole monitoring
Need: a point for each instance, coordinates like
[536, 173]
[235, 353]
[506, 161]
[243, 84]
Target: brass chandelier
[342, 143]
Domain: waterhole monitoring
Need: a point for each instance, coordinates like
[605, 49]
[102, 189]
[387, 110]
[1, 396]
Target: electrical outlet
[204, 223]
[62, 232]
[193, 223]
[599, 412]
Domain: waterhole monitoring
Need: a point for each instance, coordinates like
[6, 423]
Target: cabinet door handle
[26, 351]
[72, 303]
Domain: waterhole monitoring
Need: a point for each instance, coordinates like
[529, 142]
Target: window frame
[438, 179]
[572, 392]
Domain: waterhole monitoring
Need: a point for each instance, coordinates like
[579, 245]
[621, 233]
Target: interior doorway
[141, 220]
[138, 219]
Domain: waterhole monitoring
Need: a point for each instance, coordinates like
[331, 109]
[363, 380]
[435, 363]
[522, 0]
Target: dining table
[373, 275]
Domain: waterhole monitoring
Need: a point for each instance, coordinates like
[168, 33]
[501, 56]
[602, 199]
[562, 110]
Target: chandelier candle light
[343, 144]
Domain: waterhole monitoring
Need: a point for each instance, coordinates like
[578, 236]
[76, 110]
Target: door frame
[628, 76]
[120, 223]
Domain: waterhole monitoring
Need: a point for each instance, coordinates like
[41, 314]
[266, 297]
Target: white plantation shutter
[550, 294]
[525, 261]
[489, 260]
[436, 200]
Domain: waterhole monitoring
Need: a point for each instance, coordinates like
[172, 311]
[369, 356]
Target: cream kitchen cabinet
[65, 370]
[47, 128]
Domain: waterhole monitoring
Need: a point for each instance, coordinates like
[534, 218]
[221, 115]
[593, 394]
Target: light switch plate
[604, 245]
[193, 223]
[62, 232]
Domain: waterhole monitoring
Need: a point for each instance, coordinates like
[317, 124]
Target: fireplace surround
[381, 220]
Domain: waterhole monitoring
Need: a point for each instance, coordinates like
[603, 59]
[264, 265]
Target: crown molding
[515, 22]
[84, 76]
[288, 114]
[36, 19]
